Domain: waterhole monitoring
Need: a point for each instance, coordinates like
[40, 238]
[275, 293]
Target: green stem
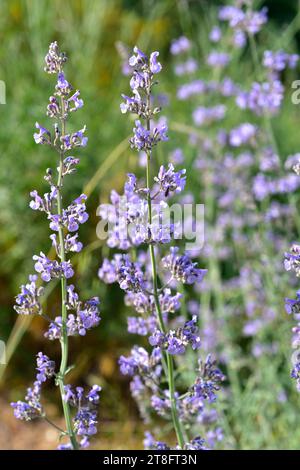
[64, 334]
[169, 359]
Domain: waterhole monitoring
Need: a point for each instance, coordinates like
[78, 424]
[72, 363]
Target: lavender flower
[207, 383]
[31, 408]
[86, 316]
[175, 342]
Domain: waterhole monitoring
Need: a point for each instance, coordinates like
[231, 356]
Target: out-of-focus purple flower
[180, 45]
[203, 115]
[107, 272]
[278, 61]
[242, 134]
[215, 34]
[176, 156]
[196, 87]
[239, 38]
[218, 59]
[263, 98]
[295, 374]
[249, 21]
[185, 68]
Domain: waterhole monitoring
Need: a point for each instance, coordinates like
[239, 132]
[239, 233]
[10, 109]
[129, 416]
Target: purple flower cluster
[280, 60]
[182, 268]
[32, 408]
[208, 381]
[49, 269]
[203, 115]
[170, 181]
[86, 417]
[264, 186]
[262, 98]
[188, 67]
[27, 302]
[176, 341]
[180, 45]
[127, 216]
[243, 19]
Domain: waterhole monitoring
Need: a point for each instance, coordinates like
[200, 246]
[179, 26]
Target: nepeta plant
[249, 206]
[151, 280]
[76, 316]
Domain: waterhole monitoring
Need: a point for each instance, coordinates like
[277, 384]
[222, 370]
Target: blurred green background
[88, 31]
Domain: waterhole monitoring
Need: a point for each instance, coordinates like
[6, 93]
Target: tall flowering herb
[136, 219]
[76, 317]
